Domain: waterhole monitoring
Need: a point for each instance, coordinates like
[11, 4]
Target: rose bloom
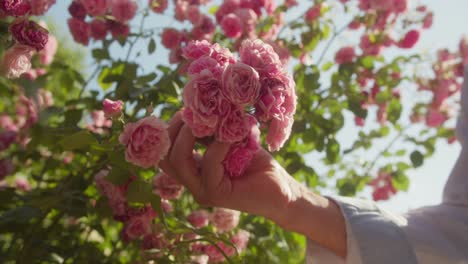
[7, 124]
[240, 240]
[80, 30]
[123, 10]
[117, 29]
[158, 6]
[153, 241]
[240, 84]
[205, 63]
[112, 108]
[26, 111]
[234, 127]
[22, 184]
[167, 187]
[197, 49]
[136, 227]
[198, 218]
[77, 10]
[16, 60]
[40, 7]
[29, 33]
[47, 55]
[200, 127]
[115, 195]
[345, 55]
[232, 26]
[260, 56]
[194, 15]
[410, 39]
[225, 219]
[435, 118]
[95, 7]
[237, 161]
[98, 29]
[16, 8]
[313, 13]
[278, 132]
[215, 256]
[147, 141]
[171, 38]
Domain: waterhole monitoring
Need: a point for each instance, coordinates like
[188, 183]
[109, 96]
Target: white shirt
[429, 235]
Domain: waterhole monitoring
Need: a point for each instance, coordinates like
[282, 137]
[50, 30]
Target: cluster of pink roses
[220, 90]
[383, 187]
[24, 7]
[106, 16]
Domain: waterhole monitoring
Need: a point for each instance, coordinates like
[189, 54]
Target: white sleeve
[429, 235]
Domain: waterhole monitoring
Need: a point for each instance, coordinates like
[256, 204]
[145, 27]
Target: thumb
[212, 164]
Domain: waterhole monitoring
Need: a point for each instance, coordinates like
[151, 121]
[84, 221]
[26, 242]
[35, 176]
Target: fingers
[174, 127]
[183, 162]
[212, 164]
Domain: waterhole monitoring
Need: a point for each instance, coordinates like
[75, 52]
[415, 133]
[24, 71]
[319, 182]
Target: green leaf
[118, 175]
[140, 191]
[78, 140]
[151, 46]
[100, 54]
[400, 182]
[417, 158]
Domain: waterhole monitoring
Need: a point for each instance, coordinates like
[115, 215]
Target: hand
[265, 189]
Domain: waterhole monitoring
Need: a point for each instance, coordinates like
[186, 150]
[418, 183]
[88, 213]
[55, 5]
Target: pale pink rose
[77, 10]
[260, 56]
[95, 7]
[100, 122]
[197, 49]
[201, 97]
[40, 7]
[198, 218]
[240, 240]
[409, 40]
[240, 84]
[313, 13]
[123, 10]
[80, 30]
[136, 227]
[16, 61]
[48, 53]
[171, 38]
[345, 55]
[224, 220]
[6, 168]
[167, 187]
[223, 56]
[283, 52]
[278, 132]
[237, 161]
[98, 29]
[232, 26]
[6, 139]
[22, 184]
[194, 15]
[44, 98]
[234, 127]
[158, 6]
[464, 49]
[112, 108]
[205, 63]
[147, 141]
[154, 241]
[249, 21]
[435, 118]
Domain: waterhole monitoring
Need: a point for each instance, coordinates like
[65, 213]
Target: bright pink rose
[167, 187]
[77, 10]
[171, 38]
[197, 49]
[278, 132]
[223, 56]
[158, 6]
[383, 187]
[232, 26]
[95, 7]
[80, 30]
[198, 218]
[313, 13]
[22, 184]
[435, 118]
[260, 56]
[240, 240]
[48, 53]
[345, 55]
[98, 29]
[205, 29]
[112, 108]
[410, 39]
[237, 161]
[147, 141]
[201, 97]
[40, 7]
[224, 220]
[240, 84]
[464, 49]
[16, 8]
[359, 121]
[29, 33]
[428, 20]
[180, 9]
[227, 7]
[123, 10]
[6, 168]
[234, 127]
[16, 60]
[205, 63]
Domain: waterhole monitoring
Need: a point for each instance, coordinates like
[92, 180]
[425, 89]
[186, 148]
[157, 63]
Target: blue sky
[450, 23]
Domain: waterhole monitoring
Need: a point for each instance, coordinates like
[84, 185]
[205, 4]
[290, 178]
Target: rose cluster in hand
[227, 98]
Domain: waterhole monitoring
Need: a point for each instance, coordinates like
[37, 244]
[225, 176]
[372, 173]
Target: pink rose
[278, 132]
[22, 184]
[40, 7]
[359, 121]
[137, 226]
[6, 123]
[158, 6]
[227, 7]
[260, 56]
[205, 63]
[435, 118]
[48, 53]
[313, 13]
[215, 256]
[80, 30]
[112, 108]
[369, 48]
[167, 187]
[115, 195]
[15, 7]
[282, 51]
[240, 84]
[224, 220]
[171, 38]
[95, 7]
[6, 168]
[77, 10]
[223, 56]
[154, 241]
[400, 6]
[205, 29]
[345, 55]
[16, 61]
[232, 26]
[197, 49]
[240, 240]
[410, 39]
[117, 29]
[198, 218]
[180, 9]
[98, 29]
[147, 141]
[29, 33]
[234, 127]
[237, 161]
[194, 15]
[26, 111]
[383, 187]
[100, 122]
[201, 127]
[123, 10]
